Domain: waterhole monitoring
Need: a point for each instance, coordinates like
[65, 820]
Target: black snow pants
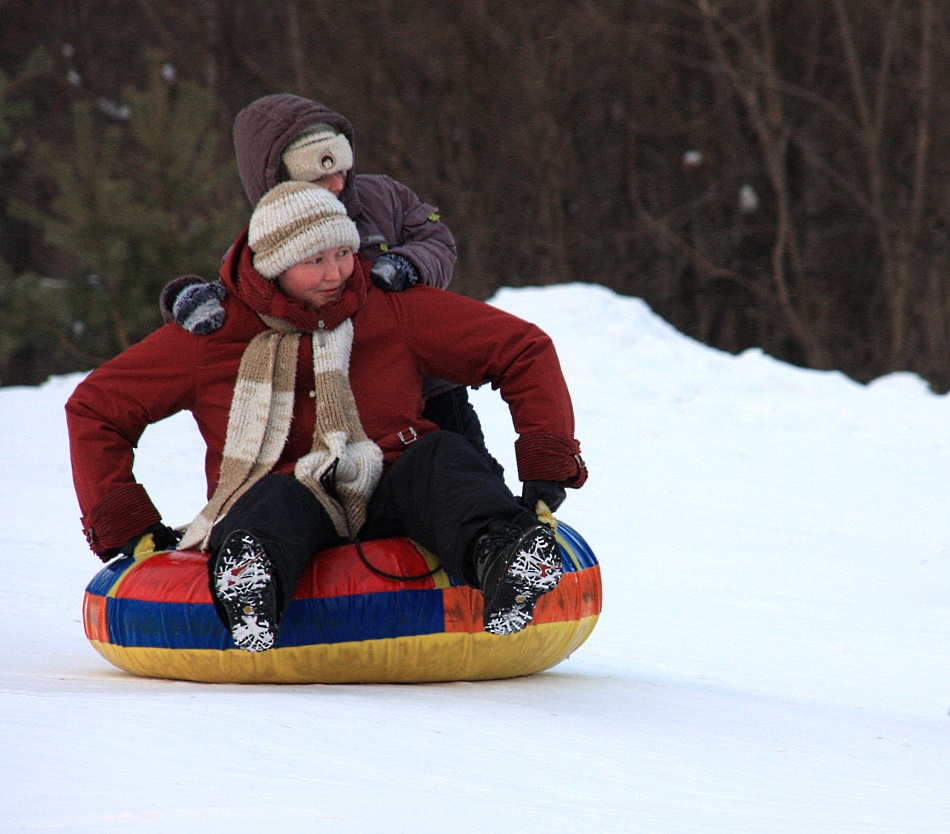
[453, 411]
[442, 492]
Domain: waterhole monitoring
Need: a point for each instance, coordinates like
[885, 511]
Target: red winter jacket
[399, 338]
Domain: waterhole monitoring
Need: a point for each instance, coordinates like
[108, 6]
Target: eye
[344, 252]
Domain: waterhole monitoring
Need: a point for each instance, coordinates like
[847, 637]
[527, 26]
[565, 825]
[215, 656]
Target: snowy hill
[773, 655]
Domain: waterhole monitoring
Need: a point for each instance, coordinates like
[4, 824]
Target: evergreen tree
[139, 203]
[17, 335]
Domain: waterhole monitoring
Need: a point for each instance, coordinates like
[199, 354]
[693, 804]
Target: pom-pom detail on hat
[318, 153]
[293, 222]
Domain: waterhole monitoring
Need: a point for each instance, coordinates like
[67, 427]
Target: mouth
[330, 293]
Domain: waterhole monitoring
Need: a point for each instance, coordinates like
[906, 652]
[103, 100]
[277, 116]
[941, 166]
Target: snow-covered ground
[773, 654]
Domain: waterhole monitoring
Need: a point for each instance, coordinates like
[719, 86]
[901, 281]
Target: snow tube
[347, 622]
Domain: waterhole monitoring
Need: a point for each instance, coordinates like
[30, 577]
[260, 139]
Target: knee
[270, 504]
[459, 451]
[288, 492]
[446, 443]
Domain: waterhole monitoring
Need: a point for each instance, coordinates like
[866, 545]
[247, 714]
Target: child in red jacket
[309, 399]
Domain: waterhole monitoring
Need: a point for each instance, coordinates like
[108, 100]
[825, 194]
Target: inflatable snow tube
[347, 623]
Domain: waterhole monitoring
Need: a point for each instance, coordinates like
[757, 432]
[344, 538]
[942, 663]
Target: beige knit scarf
[343, 466]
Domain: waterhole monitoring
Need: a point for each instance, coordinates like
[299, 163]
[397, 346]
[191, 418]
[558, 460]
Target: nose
[333, 183]
[332, 273]
[335, 186]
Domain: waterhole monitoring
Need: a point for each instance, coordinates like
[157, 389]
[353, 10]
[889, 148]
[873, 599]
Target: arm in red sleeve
[106, 416]
[473, 343]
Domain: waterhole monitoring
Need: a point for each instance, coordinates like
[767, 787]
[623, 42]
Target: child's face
[320, 279]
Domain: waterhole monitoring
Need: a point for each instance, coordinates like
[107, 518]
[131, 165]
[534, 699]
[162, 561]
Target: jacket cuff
[124, 513]
[547, 457]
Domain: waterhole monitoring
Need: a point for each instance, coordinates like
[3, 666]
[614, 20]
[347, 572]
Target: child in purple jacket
[285, 137]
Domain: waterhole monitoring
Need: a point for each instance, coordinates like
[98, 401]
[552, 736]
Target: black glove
[393, 273]
[157, 538]
[550, 492]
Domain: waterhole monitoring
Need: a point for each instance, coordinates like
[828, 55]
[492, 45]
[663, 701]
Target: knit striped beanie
[293, 222]
[319, 152]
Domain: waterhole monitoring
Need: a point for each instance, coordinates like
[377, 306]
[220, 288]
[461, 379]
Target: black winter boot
[515, 567]
[244, 585]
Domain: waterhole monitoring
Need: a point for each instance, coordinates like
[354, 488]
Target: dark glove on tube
[157, 538]
[550, 492]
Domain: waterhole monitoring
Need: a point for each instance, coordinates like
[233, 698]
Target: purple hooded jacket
[388, 215]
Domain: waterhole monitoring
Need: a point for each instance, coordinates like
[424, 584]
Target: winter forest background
[770, 173]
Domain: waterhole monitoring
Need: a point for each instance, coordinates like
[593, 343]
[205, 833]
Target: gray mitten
[198, 309]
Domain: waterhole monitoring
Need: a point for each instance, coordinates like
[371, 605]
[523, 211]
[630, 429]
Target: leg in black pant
[443, 493]
[286, 518]
[452, 411]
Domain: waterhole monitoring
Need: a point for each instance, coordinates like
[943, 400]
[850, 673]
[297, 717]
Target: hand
[393, 273]
[172, 290]
[198, 309]
[157, 538]
[550, 492]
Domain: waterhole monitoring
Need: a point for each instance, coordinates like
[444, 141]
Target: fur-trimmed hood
[264, 129]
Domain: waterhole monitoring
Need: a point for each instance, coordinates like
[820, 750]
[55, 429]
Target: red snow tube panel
[346, 623]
